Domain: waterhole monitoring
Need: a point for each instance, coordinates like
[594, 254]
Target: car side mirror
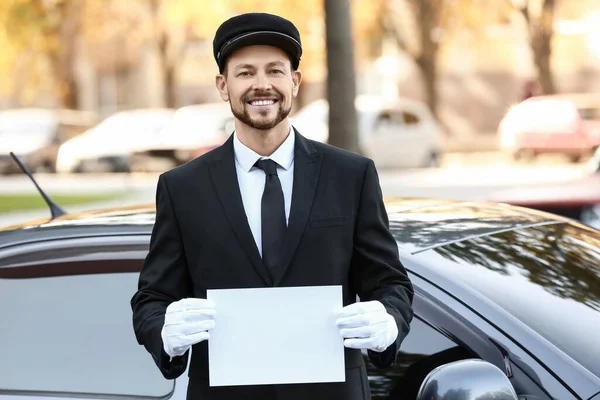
[467, 380]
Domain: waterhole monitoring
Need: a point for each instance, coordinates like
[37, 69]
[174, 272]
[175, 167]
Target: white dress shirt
[252, 180]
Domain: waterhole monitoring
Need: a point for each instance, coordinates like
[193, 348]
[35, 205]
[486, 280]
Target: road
[474, 182]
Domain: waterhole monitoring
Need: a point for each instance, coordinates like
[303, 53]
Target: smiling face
[260, 85]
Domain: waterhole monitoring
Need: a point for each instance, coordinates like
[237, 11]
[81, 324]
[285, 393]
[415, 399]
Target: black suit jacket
[337, 235]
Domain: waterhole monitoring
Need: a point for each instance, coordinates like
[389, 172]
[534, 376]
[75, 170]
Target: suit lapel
[224, 176]
[307, 164]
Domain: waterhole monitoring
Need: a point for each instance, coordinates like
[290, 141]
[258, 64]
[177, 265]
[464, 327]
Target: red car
[563, 124]
[578, 199]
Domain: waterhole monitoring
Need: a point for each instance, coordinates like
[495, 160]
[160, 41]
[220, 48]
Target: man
[269, 208]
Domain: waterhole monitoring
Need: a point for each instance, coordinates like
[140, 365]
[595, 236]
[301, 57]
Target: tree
[170, 50]
[11, 58]
[174, 24]
[341, 80]
[418, 41]
[50, 28]
[420, 28]
[539, 19]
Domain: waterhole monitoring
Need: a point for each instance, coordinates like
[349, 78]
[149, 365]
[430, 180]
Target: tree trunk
[300, 100]
[543, 67]
[169, 80]
[422, 47]
[428, 14]
[428, 67]
[168, 67]
[19, 78]
[541, 45]
[341, 80]
[62, 58]
[168, 64]
[541, 30]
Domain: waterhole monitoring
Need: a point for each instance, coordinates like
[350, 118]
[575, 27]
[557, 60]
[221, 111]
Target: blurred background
[493, 100]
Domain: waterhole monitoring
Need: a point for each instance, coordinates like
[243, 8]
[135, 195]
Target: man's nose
[262, 82]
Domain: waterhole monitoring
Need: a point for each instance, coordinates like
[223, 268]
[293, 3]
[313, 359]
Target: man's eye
[244, 73]
[276, 71]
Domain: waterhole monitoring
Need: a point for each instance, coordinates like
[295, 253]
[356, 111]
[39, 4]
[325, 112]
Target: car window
[591, 113]
[66, 328]
[410, 118]
[390, 118]
[556, 265]
[423, 349]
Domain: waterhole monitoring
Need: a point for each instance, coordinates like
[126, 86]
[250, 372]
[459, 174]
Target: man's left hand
[367, 325]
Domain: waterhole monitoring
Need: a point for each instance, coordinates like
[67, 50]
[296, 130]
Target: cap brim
[276, 39]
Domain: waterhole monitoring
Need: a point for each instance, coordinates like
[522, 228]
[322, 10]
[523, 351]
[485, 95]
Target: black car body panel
[132, 220]
[431, 235]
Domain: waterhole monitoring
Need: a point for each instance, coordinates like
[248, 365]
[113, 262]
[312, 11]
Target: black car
[516, 288]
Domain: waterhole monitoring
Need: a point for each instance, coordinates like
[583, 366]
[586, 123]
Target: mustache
[259, 95]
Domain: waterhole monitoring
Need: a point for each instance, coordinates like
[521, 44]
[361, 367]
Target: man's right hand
[187, 322]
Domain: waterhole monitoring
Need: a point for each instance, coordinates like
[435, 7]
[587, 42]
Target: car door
[66, 322]
[439, 336]
[394, 140]
[380, 138]
[530, 378]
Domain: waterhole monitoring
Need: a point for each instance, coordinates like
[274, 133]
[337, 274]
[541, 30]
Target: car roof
[204, 108]
[372, 103]
[127, 220]
[422, 224]
[579, 99]
[51, 115]
[418, 223]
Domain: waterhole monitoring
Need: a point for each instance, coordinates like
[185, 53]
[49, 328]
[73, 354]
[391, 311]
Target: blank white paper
[275, 336]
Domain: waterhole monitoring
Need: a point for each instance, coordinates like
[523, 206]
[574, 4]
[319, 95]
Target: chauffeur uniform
[331, 228]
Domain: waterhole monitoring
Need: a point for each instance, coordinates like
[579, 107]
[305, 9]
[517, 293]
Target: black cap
[256, 29]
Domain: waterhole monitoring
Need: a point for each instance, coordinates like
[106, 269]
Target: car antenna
[55, 210]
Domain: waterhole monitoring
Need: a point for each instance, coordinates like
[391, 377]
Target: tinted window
[390, 118]
[590, 113]
[410, 118]
[423, 350]
[547, 276]
[73, 334]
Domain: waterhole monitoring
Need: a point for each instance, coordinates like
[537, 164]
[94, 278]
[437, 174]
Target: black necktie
[272, 215]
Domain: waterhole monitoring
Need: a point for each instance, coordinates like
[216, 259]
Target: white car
[194, 130]
[35, 135]
[110, 145]
[398, 134]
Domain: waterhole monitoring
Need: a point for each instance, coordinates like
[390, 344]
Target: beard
[264, 122]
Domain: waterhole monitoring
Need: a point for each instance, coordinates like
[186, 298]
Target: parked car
[35, 135]
[558, 124]
[577, 198]
[193, 131]
[507, 304]
[109, 146]
[395, 134]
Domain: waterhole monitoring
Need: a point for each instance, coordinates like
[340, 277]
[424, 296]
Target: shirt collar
[246, 157]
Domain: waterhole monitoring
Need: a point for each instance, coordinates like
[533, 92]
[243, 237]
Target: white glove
[187, 322]
[367, 325]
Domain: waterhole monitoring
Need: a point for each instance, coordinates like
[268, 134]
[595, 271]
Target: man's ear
[296, 79]
[221, 83]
